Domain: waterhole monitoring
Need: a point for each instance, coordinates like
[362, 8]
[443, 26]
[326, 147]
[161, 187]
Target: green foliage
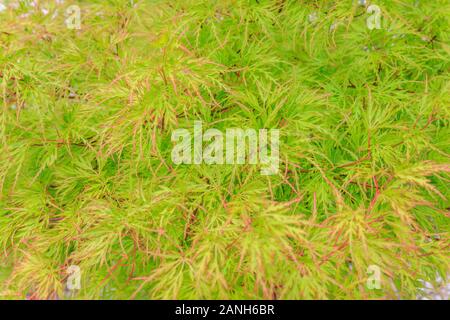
[86, 176]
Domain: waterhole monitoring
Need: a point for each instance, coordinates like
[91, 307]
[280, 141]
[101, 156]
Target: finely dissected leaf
[87, 179]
